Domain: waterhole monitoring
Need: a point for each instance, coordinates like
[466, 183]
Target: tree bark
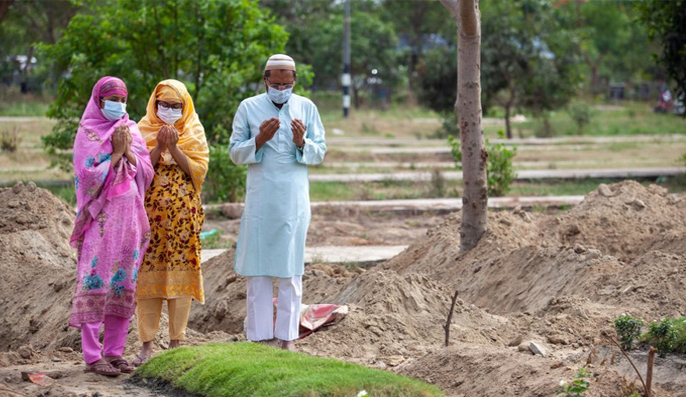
[507, 105]
[4, 6]
[468, 110]
[508, 128]
[420, 9]
[595, 66]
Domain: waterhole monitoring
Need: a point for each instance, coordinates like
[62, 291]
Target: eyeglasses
[280, 87]
[167, 105]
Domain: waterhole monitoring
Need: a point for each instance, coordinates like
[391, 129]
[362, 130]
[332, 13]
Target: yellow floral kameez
[171, 266]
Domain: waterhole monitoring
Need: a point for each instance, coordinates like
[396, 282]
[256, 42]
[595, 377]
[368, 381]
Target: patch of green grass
[628, 118]
[396, 190]
[331, 191]
[216, 240]
[581, 187]
[23, 108]
[248, 369]
[556, 187]
[381, 190]
[623, 146]
[66, 193]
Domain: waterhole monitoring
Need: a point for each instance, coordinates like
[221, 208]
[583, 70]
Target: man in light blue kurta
[278, 134]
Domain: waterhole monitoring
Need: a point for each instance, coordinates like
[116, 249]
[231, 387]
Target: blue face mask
[279, 97]
[113, 111]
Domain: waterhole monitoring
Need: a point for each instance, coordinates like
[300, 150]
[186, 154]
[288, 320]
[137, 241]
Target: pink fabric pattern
[111, 230]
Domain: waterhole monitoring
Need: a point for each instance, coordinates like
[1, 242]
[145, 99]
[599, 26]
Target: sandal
[122, 365]
[140, 360]
[102, 369]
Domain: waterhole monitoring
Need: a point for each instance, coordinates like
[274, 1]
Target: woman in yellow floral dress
[171, 265]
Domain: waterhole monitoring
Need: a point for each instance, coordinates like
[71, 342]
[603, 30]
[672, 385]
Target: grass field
[625, 118]
[397, 190]
[14, 104]
[249, 369]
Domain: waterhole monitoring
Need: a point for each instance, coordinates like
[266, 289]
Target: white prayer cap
[280, 61]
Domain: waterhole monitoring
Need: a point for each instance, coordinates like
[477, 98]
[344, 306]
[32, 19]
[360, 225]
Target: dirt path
[70, 381]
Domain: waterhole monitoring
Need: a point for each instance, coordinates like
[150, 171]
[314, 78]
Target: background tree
[4, 6]
[528, 61]
[437, 79]
[509, 46]
[552, 75]
[468, 110]
[612, 45]
[666, 23]
[372, 44]
[216, 47]
[420, 25]
[297, 17]
[26, 25]
[316, 32]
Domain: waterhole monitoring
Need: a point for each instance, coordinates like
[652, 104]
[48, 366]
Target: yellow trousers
[149, 311]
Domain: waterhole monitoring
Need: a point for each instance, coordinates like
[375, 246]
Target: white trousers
[260, 318]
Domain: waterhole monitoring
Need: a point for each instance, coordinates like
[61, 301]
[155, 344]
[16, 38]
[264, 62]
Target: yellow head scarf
[191, 133]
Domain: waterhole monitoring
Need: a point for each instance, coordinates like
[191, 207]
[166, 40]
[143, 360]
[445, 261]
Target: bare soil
[556, 278]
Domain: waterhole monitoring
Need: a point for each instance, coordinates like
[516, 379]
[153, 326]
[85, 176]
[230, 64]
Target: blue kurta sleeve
[315, 144]
[242, 145]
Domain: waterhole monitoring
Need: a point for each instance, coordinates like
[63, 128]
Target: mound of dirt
[37, 270]
[225, 306]
[622, 239]
[393, 317]
[468, 370]
[625, 220]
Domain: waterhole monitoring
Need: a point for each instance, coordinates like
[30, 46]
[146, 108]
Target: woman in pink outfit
[111, 232]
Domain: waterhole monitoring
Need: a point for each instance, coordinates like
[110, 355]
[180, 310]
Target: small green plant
[578, 386]
[663, 335]
[369, 129]
[628, 328]
[10, 140]
[499, 171]
[581, 113]
[449, 127]
[210, 239]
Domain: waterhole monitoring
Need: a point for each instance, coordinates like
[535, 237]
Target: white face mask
[113, 110]
[169, 115]
[279, 97]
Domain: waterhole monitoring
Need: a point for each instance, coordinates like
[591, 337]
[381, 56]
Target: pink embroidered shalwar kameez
[111, 230]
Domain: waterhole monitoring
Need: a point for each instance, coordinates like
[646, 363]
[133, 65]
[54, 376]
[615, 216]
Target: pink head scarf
[96, 179]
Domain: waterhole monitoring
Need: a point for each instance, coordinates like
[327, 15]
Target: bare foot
[288, 345]
[269, 342]
[144, 355]
[174, 343]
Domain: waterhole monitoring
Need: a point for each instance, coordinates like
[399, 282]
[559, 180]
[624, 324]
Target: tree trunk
[508, 128]
[25, 73]
[468, 110]
[420, 9]
[4, 6]
[595, 67]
